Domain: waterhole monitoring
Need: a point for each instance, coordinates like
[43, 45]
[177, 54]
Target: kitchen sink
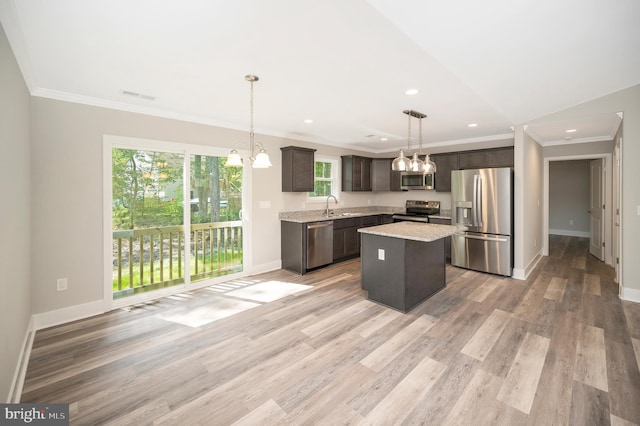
[344, 214]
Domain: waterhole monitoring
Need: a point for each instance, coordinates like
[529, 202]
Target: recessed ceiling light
[383, 139]
[472, 125]
[308, 121]
[571, 130]
[411, 91]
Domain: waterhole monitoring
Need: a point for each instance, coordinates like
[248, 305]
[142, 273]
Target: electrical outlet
[61, 284]
[570, 222]
[380, 254]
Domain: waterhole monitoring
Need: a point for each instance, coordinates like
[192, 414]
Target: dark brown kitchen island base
[401, 273]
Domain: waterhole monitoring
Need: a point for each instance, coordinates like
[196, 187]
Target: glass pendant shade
[262, 160]
[429, 166]
[233, 159]
[416, 164]
[401, 163]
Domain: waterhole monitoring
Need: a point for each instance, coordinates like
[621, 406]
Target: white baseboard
[630, 294]
[64, 315]
[266, 267]
[569, 233]
[21, 368]
[523, 274]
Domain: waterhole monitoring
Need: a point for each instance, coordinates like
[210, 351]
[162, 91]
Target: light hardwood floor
[553, 350]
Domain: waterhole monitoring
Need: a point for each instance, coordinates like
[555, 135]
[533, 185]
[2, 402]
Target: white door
[596, 210]
[617, 237]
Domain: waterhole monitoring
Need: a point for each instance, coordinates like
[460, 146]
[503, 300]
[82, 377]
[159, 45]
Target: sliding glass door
[176, 218]
[215, 210]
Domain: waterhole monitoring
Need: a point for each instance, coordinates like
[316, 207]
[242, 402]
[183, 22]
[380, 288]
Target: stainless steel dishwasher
[319, 243]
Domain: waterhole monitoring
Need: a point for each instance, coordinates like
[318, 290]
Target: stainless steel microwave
[413, 180]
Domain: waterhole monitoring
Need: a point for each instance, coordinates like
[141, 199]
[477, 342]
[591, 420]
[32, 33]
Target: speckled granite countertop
[305, 216]
[412, 231]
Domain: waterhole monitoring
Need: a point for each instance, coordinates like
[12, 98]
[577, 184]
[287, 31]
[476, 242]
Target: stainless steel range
[418, 211]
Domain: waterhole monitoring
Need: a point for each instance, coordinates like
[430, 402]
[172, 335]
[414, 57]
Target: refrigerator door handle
[477, 201]
[475, 237]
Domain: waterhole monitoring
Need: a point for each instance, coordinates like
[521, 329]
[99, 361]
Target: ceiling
[345, 64]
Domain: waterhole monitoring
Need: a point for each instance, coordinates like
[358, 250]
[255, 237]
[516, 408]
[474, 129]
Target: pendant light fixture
[402, 163]
[259, 160]
[413, 164]
[428, 165]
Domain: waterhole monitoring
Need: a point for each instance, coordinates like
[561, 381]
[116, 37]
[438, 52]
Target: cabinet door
[444, 164]
[365, 176]
[500, 157]
[297, 169]
[351, 242]
[346, 243]
[381, 174]
[356, 173]
[338, 244]
[472, 160]
[361, 174]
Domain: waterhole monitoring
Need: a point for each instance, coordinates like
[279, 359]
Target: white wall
[569, 197]
[626, 101]
[67, 143]
[528, 193]
[15, 240]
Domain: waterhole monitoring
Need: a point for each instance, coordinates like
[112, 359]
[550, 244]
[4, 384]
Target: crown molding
[13, 30]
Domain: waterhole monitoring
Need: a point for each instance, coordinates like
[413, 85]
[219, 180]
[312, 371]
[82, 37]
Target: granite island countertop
[413, 231]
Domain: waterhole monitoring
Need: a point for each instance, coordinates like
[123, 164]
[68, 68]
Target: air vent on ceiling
[138, 95]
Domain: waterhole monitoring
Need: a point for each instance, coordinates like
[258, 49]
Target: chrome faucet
[327, 209]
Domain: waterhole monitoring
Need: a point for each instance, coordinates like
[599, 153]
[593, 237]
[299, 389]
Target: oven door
[410, 181]
[408, 218]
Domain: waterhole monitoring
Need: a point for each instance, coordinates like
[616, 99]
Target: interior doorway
[575, 203]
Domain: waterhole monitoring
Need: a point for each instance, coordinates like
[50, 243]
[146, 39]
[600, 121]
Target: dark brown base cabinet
[346, 240]
[410, 272]
[293, 243]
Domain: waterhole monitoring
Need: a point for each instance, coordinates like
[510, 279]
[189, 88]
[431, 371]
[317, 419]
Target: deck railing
[152, 258]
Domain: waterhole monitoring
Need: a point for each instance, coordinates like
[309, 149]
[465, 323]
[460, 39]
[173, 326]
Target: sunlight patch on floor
[202, 315]
[268, 291]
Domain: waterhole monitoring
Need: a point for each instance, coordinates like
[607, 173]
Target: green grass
[234, 260]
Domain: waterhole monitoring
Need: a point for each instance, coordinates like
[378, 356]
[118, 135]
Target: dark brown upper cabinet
[297, 169]
[356, 173]
[382, 177]
[481, 158]
[444, 164]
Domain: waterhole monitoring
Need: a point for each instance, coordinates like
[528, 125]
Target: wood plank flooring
[560, 348]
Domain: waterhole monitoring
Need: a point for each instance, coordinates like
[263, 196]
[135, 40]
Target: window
[325, 181]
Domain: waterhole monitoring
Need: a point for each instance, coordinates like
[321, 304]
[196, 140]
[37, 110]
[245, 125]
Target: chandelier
[413, 164]
[259, 160]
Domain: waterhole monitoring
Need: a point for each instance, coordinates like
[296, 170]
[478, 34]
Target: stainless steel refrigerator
[482, 201]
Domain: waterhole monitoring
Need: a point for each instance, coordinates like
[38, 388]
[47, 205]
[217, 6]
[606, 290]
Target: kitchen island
[403, 263]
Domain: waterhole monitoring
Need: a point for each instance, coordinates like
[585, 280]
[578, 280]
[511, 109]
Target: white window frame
[110, 142]
[335, 178]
